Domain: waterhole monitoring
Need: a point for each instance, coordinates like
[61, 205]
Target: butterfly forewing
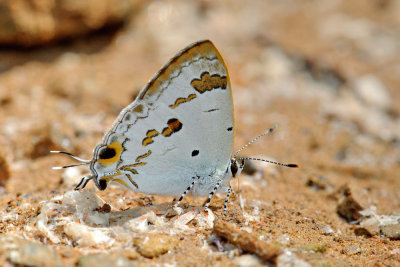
[180, 126]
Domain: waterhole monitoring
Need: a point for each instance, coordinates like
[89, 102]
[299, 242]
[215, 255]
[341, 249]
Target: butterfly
[176, 137]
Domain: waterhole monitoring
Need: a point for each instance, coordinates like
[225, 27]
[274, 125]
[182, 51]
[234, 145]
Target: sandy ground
[326, 72]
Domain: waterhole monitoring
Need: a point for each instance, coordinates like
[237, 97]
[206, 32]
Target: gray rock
[32, 254]
[392, 231]
[105, 260]
[42, 21]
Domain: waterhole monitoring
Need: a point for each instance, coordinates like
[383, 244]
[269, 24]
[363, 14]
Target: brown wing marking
[174, 125]
[182, 100]
[208, 82]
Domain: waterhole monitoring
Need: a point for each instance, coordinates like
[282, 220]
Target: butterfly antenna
[72, 156]
[273, 162]
[83, 161]
[255, 139]
[68, 166]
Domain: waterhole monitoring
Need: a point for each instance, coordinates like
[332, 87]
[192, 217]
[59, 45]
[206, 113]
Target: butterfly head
[106, 158]
[235, 167]
[103, 165]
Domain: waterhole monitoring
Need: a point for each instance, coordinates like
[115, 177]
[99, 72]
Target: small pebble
[153, 246]
[348, 207]
[289, 259]
[247, 261]
[32, 254]
[352, 250]
[368, 227]
[104, 260]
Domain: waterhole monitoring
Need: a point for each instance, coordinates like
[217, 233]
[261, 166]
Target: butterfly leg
[211, 195]
[186, 191]
[83, 182]
[233, 192]
[227, 198]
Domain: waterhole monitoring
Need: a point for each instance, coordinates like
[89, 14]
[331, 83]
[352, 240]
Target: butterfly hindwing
[180, 126]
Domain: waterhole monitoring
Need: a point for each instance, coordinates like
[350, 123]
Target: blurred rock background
[327, 72]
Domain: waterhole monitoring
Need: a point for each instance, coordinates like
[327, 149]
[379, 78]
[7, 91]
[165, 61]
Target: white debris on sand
[288, 259]
[370, 216]
[77, 218]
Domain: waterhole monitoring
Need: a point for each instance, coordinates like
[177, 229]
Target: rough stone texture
[35, 22]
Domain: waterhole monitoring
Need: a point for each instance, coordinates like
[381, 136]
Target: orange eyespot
[110, 154]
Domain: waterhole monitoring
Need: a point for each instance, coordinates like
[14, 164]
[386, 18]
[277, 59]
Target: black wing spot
[195, 153]
[211, 110]
[229, 129]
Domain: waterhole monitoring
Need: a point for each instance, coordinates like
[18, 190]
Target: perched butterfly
[177, 136]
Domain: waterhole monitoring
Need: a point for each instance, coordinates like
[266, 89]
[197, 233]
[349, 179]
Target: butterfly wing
[180, 126]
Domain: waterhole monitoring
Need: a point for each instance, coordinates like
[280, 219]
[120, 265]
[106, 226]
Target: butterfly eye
[102, 184]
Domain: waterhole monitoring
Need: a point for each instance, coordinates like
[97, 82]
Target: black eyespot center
[103, 184]
[195, 152]
[107, 153]
[229, 129]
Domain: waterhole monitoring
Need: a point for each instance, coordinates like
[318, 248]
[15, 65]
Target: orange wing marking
[182, 100]
[130, 180]
[145, 155]
[149, 137]
[129, 168]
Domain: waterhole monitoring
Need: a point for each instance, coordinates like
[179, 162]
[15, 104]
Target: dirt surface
[326, 72]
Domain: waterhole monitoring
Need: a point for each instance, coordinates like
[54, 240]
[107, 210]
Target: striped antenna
[273, 162]
[71, 155]
[68, 166]
[83, 161]
[255, 139]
